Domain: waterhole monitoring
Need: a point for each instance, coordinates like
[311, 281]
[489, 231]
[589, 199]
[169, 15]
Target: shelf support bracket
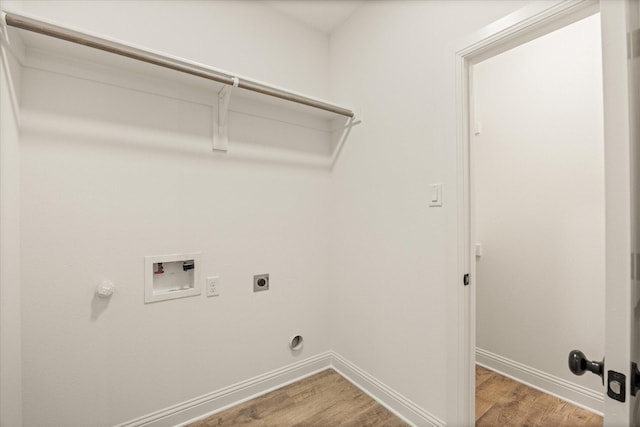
[221, 118]
[3, 27]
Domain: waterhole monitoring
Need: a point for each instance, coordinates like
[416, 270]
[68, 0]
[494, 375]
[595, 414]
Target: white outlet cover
[213, 286]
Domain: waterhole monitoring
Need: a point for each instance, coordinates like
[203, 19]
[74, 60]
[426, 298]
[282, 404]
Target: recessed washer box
[171, 276]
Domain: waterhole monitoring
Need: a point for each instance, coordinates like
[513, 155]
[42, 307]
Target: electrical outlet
[261, 282]
[213, 286]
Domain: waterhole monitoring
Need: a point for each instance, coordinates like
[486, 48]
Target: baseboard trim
[385, 395]
[217, 401]
[573, 393]
[211, 403]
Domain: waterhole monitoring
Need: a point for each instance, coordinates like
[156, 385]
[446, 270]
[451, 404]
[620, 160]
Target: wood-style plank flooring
[324, 399]
[501, 401]
[327, 399]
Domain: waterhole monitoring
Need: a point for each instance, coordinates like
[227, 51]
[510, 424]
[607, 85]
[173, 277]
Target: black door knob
[579, 364]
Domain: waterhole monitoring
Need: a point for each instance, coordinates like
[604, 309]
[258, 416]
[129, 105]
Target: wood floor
[501, 401]
[327, 399]
[324, 399]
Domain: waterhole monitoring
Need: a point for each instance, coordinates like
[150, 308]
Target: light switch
[436, 195]
[478, 128]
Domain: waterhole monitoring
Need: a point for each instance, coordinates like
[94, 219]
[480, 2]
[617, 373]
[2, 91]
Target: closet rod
[37, 26]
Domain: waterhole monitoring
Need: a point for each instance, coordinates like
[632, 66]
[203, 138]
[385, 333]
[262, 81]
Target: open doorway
[537, 162]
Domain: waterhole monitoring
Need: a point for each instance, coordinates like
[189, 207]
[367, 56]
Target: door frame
[513, 30]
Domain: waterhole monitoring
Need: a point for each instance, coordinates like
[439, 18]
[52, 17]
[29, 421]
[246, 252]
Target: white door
[620, 23]
[620, 63]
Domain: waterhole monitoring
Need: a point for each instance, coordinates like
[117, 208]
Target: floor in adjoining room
[501, 401]
[324, 399]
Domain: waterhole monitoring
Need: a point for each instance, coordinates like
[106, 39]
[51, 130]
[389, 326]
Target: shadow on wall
[101, 299]
[110, 113]
[98, 306]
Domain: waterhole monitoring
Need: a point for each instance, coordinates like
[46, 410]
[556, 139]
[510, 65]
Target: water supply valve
[105, 289]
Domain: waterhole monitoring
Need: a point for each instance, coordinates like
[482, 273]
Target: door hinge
[465, 280]
[633, 43]
[634, 381]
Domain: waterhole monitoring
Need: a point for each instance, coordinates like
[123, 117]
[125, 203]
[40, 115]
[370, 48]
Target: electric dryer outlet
[261, 282]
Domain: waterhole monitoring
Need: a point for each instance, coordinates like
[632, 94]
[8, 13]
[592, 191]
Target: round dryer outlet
[261, 282]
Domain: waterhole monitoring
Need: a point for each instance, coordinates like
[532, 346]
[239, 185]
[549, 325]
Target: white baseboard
[208, 404]
[211, 403]
[566, 390]
[385, 395]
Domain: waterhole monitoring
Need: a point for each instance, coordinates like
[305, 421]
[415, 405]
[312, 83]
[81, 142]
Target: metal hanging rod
[37, 26]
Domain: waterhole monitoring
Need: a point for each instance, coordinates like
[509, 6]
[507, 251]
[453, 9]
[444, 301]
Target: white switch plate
[435, 195]
[213, 286]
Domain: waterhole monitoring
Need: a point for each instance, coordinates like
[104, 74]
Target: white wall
[111, 173]
[393, 257]
[539, 181]
[366, 230]
[245, 37]
[10, 290]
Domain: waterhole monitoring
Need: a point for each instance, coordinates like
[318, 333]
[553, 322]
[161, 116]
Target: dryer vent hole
[296, 343]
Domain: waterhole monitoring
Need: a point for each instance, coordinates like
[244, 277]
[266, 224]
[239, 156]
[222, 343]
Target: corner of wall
[10, 313]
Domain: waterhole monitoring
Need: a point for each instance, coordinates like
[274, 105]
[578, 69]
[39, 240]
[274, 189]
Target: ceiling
[323, 15]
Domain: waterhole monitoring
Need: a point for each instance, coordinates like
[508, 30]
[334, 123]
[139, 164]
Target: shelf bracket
[3, 27]
[221, 118]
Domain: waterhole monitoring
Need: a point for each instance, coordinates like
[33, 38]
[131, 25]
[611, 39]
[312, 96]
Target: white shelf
[320, 133]
[47, 43]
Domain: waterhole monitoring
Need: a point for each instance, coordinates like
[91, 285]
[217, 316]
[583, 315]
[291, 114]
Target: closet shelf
[40, 34]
